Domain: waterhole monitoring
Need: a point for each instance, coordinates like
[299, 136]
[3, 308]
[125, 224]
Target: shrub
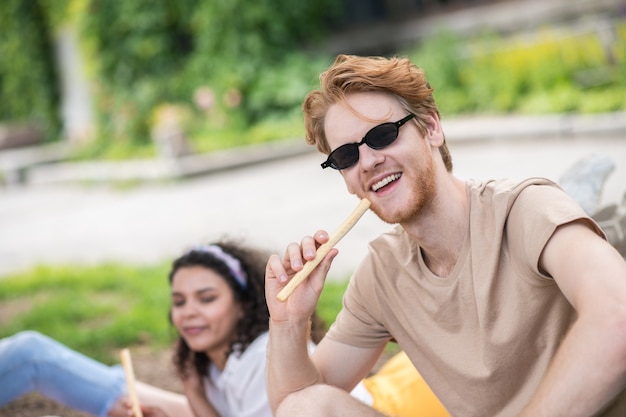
[149, 52]
[29, 84]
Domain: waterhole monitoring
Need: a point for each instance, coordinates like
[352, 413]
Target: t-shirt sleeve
[534, 217]
[359, 323]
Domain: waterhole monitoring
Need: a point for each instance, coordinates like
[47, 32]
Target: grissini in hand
[130, 382]
[323, 250]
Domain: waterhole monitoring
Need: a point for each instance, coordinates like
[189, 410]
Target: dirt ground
[150, 366]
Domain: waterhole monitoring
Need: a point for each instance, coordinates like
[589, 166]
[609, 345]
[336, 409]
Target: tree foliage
[29, 84]
[150, 52]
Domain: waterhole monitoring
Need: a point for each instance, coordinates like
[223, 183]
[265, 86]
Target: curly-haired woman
[219, 311]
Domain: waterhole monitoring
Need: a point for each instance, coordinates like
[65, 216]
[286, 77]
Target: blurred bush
[549, 71]
[233, 63]
[29, 85]
[238, 71]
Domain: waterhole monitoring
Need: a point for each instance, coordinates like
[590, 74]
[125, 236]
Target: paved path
[270, 204]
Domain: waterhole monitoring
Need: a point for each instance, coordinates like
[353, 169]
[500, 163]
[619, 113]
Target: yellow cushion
[400, 391]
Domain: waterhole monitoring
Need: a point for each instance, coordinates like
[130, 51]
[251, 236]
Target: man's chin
[394, 217]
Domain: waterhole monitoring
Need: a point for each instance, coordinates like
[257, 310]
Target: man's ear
[434, 133]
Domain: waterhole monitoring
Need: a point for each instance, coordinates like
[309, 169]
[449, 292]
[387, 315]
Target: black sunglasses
[377, 138]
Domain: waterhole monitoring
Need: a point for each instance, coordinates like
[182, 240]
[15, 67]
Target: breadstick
[130, 382]
[323, 250]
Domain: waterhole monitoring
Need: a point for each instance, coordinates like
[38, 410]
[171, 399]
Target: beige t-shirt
[482, 337]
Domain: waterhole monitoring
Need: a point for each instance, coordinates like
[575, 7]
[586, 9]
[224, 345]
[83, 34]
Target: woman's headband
[233, 264]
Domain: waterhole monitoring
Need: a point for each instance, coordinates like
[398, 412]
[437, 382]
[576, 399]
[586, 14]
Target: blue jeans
[30, 361]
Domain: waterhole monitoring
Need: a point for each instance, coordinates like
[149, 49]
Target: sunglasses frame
[328, 163]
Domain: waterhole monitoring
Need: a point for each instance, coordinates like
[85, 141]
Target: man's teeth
[380, 184]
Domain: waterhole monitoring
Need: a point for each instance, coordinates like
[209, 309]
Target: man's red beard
[423, 189]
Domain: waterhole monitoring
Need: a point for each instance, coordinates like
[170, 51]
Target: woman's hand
[124, 408]
[120, 408]
[302, 302]
[149, 411]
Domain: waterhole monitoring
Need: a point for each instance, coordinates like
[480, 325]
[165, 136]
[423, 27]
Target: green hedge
[149, 54]
[251, 63]
[29, 83]
[552, 71]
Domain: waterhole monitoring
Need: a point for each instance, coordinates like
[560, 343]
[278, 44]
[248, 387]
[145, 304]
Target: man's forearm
[587, 372]
[289, 367]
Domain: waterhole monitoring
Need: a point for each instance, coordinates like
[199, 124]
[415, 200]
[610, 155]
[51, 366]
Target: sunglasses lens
[377, 138]
[381, 136]
[344, 156]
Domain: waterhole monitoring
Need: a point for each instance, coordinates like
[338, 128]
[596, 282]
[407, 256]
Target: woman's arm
[173, 404]
[154, 402]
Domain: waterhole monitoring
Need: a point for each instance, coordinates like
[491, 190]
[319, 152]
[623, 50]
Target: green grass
[98, 310]
[330, 301]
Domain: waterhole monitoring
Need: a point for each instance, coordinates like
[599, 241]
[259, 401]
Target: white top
[239, 390]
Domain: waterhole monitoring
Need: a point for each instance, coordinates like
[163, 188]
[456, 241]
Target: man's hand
[303, 301]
